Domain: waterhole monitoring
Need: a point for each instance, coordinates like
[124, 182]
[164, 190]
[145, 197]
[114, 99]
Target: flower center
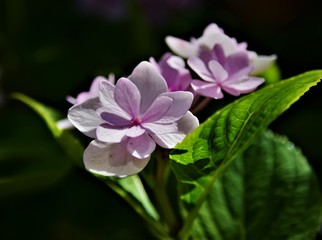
[136, 121]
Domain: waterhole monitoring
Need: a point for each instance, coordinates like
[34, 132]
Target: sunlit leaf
[202, 157]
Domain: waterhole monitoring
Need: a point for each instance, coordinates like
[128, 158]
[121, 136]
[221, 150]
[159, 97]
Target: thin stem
[201, 105]
[161, 193]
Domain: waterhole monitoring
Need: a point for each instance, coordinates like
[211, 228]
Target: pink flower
[65, 124]
[213, 35]
[129, 119]
[173, 69]
[93, 91]
[221, 72]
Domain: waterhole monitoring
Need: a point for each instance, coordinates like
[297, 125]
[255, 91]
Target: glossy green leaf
[202, 157]
[269, 192]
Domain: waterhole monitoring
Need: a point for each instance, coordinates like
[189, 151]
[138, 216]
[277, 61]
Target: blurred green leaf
[130, 189]
[23, 171]
[269, 192]
[202, 157]
[67, 141]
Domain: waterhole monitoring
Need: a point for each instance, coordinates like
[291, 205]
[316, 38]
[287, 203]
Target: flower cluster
[221, 62]
[129, 118]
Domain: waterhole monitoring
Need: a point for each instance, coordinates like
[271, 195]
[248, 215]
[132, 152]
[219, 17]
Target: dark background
[51, 49]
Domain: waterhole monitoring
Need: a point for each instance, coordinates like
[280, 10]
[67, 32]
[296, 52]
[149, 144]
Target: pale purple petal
[122, 119]
[261, 63]
[240, 74]
[106, 93]
[92, 93]
[176, 62]
[218, 72]
[212, 28]
[160, 128]
[149, 83]
[237, 61]
[209, 41]
[182, 101]
[64, 124]
[106, 96]
[110, 134]
[158, 109]
[141, 147]
[200, 68]
[84, 117]
[71, 100]
[182, 47]
[134, 131]
[94, 89]
[185, 125]
[219, 53]
[155, 64]
[245, 85]
[207, 89]
[188, 123]
[112, 160]
[81, 97]
[127, 96]
[111, 78]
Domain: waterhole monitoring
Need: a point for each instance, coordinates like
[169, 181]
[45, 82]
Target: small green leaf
[202, 157]
[68, 142]
[269, 192]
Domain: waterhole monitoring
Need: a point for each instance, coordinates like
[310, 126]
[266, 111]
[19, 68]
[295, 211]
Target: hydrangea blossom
[173, 69]
[93, 91]
[129, 119]
[213, 35]
[222, 72]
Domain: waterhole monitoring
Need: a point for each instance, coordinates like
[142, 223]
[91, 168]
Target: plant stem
[161, 194]
[156, 227]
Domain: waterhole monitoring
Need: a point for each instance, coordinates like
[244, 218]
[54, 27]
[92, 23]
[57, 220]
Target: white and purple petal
[200, 68]
[84, 117]
[115, 118]
[106, 96]
[158, 109]
[127, 96]
[182, 47]
[184, 126]
[261, 63]
[182, 101]
[245, 85]
[149, 83]
[141, 147]
[112, 159]
[110, 134]
[217, 71]
[211, 90]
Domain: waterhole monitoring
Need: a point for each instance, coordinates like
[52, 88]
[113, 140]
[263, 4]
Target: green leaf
[67, 141]
[269, 192]
[28, 170]
[204, 154]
